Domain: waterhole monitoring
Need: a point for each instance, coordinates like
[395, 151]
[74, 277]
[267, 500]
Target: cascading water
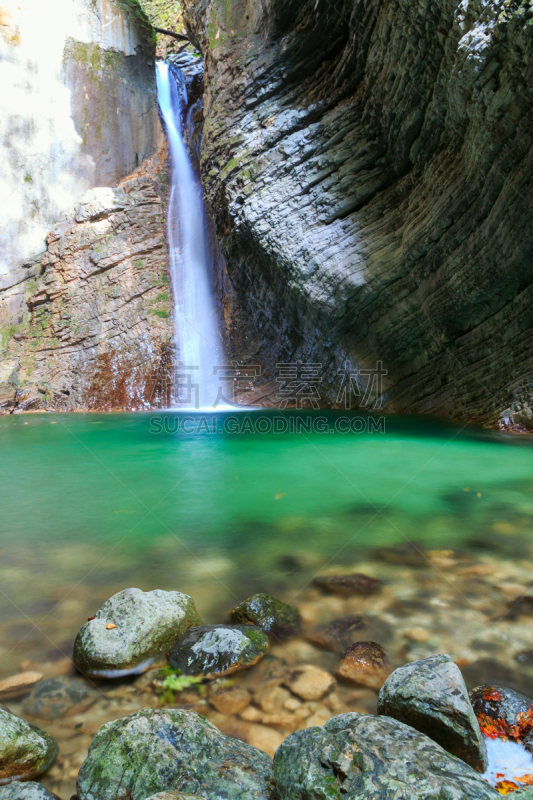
[196, 330]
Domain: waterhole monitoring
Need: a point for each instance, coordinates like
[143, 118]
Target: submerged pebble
[348, 585]
[365, 663]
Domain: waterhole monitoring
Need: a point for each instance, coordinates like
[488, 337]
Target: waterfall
[196, 335]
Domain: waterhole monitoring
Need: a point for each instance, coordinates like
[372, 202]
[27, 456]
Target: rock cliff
[369, 166]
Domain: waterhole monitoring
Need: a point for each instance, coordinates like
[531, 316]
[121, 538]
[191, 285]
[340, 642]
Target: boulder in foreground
[25, 750]
[165, 750]
[360, 757]
[431, 696]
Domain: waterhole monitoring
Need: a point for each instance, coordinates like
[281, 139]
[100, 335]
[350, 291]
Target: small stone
[339, 634]
[310, 682]
[59, 697]
[251, 714]
[231, 700]
[362, 757]
[272, 698]
[348, 585]
[292, 703]
[431, 696]
[26, 791]
[521, 606]
[365, 663]
[419, 635]
[278, 619]
[265, 739]
[209, 650]
[19, 685]
[410, 554]
[147, 624]
[25, 750]
[162, 750]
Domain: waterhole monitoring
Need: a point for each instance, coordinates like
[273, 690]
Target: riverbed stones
[26, 791]
[163, 750]
[365, 663]
[338, 634]
[131, 631]
[25, 750]
[19, 685]
[279, 620]
[431, 696]
[59, 697]
[504, 713]
[310, 682]
[362, 757]
[348, 585]
[231, 700]
[216, 650]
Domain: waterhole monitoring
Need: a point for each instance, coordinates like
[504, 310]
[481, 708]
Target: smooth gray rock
[147, 624]
[431, 696]
[59, 697]
[164, 750]
[360, 757]
[26, 791]
[210, 650]
[25, 750]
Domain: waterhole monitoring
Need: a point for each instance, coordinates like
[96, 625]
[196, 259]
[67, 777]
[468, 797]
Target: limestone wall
[77, 110]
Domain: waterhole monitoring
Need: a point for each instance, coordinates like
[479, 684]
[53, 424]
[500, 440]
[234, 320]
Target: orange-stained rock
[365, 663]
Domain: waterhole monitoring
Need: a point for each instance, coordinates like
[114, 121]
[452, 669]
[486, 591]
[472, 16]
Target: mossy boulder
[274, 617]
[131, 631]
[25, 750]
[216, 650]
[360, 757]
[165, 750]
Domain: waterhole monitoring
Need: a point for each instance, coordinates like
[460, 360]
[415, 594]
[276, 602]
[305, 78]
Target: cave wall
[369, 167]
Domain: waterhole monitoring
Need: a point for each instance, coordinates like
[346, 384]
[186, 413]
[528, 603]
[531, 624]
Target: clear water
[197, 338]
[94, 503]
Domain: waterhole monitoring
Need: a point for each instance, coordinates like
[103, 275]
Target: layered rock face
[84, 301]
[369, 168]
[93, 313]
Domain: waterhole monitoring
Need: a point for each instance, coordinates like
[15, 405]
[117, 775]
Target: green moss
[161, 314]
[6, 334]
[517, 10]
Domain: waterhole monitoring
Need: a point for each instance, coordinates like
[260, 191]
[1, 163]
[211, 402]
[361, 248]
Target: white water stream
[197, 338]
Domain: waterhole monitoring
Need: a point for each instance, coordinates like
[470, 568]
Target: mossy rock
[274, 617]
[165, 750]
[131, 631]
[25, 750]
[361, 757]
[216, 650]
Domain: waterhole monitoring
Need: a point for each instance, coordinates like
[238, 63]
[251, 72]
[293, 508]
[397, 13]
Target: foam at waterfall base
[507, 761]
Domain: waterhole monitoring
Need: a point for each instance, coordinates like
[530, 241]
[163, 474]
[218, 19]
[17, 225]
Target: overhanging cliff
[369, 169]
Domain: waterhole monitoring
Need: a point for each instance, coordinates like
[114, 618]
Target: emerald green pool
[93, 503]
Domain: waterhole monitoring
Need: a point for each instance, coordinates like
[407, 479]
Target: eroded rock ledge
[369, 168]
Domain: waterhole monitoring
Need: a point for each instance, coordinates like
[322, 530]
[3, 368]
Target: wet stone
[338, 634]
[504, 714]
[216, 650]
[26, 791]
[274, 617]
[310, 682]
[131, 631]
[365, 663]
[164, 750]
[431, 696]
[19, 685]
[25, 750]
[231, 700]
[59, 697]
[361, 757]
[348, 585]
[410, 554]
[522, 606]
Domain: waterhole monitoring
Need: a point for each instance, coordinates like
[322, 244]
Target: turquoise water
[96, 502]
